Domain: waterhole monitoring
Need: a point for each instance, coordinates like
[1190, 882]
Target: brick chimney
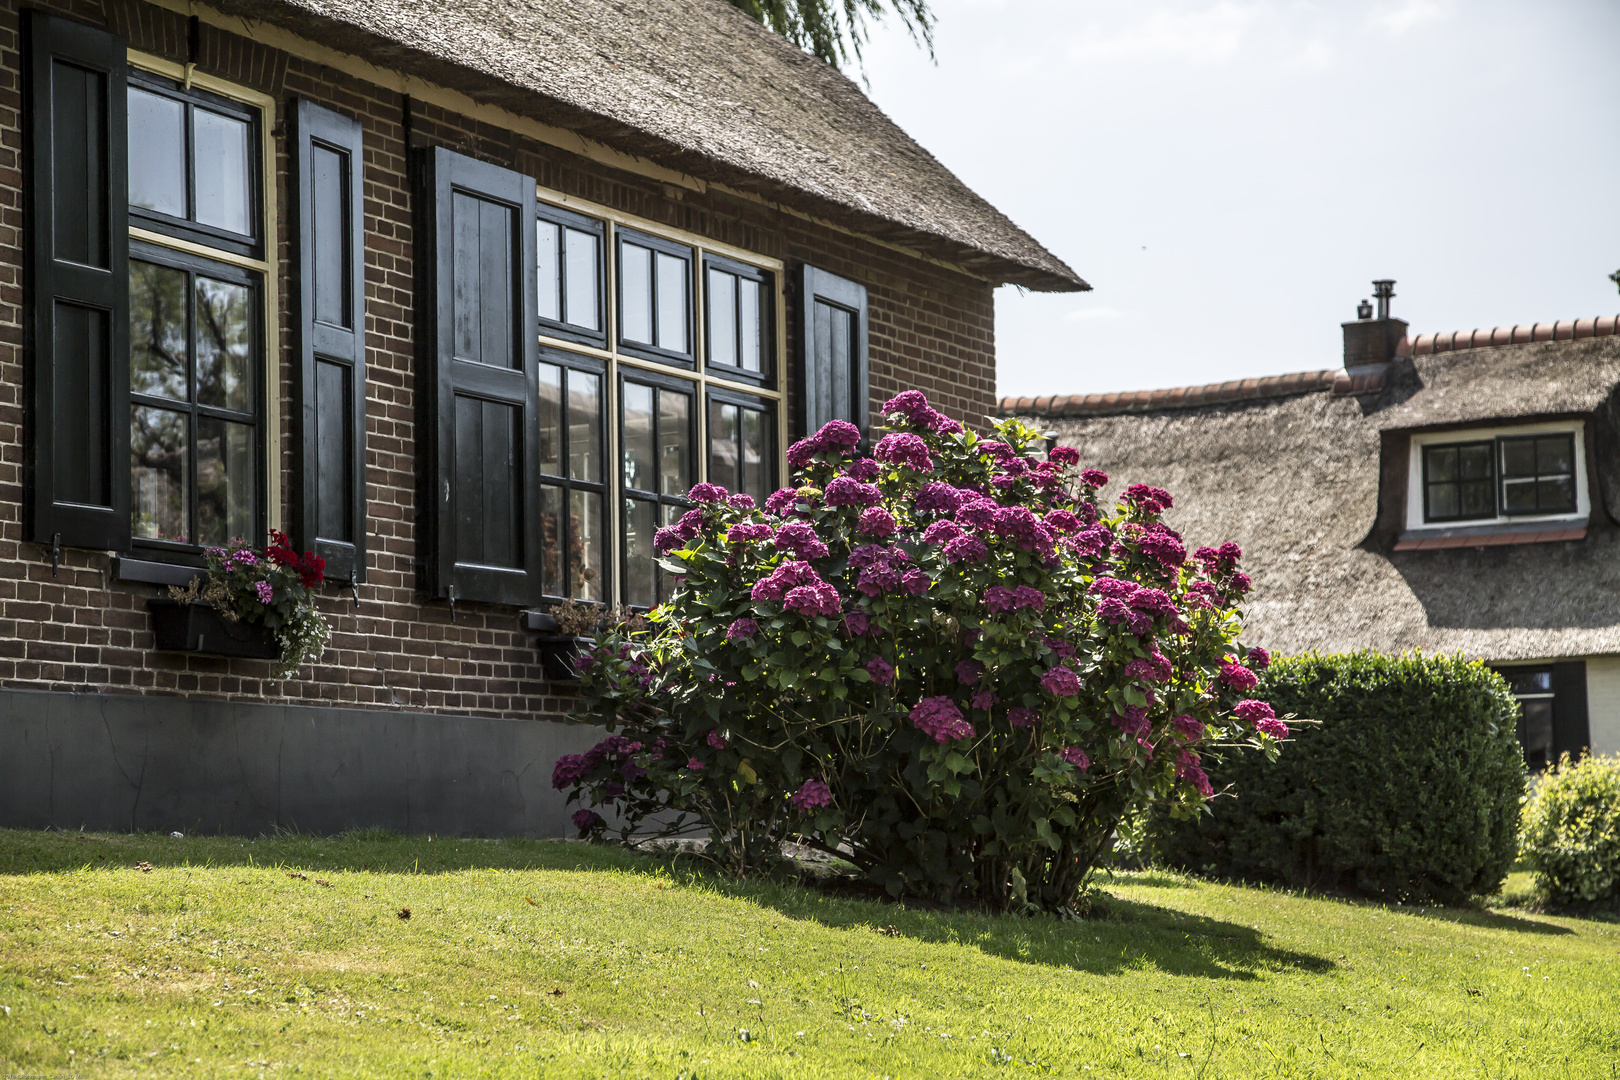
[1370, 342]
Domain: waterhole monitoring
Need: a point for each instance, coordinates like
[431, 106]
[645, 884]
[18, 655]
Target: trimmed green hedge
[1410, 788]
[1572, 832]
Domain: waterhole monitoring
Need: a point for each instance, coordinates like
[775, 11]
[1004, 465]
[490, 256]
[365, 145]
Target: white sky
[1230, 176]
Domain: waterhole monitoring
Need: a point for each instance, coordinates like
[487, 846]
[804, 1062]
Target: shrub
[944, 662]
[1572, 832]
[1409, 789]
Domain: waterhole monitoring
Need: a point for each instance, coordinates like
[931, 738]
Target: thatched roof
[1295, 480]
[694, 85]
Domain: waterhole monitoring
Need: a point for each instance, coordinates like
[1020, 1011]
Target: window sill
[1492, 535]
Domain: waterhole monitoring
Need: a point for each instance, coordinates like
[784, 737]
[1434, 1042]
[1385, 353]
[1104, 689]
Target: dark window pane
[1442, 463]
[157, 153]
[78, 161]
[1518, 496]
[224, 179]
[756, 455]
[225, 482]
[551, 448]
[82, 370]
[640, 572]
[1443, 501]
[674, 443]
[334, 443]
[638, 436]
[673, 292]
[1518, 457]
[587, 551]
[157, 331]
[1474, 462]
[722, 324]
[584, 278]
[1555, 455]
[584, 426]
[224, 344]
[635, 268]
[159, 474]
[551, 540]
[723, 445]
[1478, 499]
[1536, 731]
[1556, 496]
[329, 236]
[749, 295]
[1528, 682]
[548, 271]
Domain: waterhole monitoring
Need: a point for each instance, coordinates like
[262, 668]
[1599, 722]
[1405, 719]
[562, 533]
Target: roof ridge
[1564, 330]
[1176, 397]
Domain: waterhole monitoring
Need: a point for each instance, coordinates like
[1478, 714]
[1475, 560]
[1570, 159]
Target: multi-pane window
[1533, 687]
[1485, 479]
[630, 418]
[573, 480]
[196, 322]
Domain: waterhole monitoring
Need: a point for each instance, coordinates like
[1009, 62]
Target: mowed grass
[553, 959]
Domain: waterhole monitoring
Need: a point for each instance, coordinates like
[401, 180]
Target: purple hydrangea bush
[947, 662]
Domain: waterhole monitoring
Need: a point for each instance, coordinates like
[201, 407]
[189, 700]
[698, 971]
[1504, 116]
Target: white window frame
[1415, 522]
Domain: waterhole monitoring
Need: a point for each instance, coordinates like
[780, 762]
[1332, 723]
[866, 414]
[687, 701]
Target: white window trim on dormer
[1414, 522]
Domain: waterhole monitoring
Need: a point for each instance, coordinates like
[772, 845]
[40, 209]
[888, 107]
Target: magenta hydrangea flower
[998, 598]
[865, 470]
[715, 739]
[1259, 659]
[1091, 542]
[741, 501]
[813, 598]
[838, 435]
[802, 452]
[780, 501]
[1235, 676]
[855, 623]
[1063, 649]
[1020, 716]
[695, 765]
[1187, 768]
[1027, 596]
[978, 514]
[1270, 725]
[1062, 521]
[742, 628]
[1094, 478]
[812, 795]
[881, 670]
[568, 771]
[968, 672]
[1188, 727]
[844, 491]
[940, 718]
[915, 582]
[799, 537]
[1133, 721]
[1220, 561]
[265, 590]
[1259, 714]
[1061, 682]
[1065, 455]
[941, 532]
[903, 448]
[936, 496]
[783, 578]
[586, 820]
[983, 699]
[745, 531]
[875, 521]
[707, 493]
[1076, 757]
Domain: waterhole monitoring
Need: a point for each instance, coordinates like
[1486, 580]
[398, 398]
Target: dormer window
[1499, 476]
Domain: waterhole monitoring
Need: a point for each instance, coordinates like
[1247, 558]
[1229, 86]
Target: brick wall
[931, 329]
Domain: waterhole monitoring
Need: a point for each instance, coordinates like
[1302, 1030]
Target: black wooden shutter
[833, 353]
[1571, 730]
[328, 172]
[481, 372]
[78, 285]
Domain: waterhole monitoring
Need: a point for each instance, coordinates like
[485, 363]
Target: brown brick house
[1454, 492]
[464, 296]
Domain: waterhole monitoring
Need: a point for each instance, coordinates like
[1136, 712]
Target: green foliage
[834, 31]
[1409, 789]
[1572, 832]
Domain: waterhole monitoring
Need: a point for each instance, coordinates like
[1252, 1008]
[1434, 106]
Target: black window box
[558, 655]
[200, 628]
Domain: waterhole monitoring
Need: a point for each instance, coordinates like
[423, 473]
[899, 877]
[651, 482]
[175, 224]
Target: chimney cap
[1383, 291]
[1364, 310]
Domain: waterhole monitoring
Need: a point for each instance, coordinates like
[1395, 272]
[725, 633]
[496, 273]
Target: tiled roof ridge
[1302, 382]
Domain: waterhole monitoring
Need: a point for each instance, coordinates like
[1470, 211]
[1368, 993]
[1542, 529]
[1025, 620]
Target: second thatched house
[1446, 492]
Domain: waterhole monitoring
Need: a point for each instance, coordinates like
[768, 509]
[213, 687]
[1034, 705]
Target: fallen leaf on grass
[328, 884]
[531, 901]
[405, 913]
[888, 931]
[558, 993]
[295, 874]
[144, 867]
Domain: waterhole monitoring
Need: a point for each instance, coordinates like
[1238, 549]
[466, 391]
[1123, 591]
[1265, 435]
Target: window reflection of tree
[222, 318]
[158, 309]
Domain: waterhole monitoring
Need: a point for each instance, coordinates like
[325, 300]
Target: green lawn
[218, 962]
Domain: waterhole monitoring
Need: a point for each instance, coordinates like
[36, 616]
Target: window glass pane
[1478, 498]
[756, 455]
[1474, 462]
[1442, 462]
[674, 443]
[1518, 496]
[1536, 732]
[1556, 496]
[667, 582]
[640, 580]
[583, 279]
[723, 445]
[551, 541]
[223, 178]
[1555, 455]
[672, 303]
[722, 324]
[584, 426]
[157, 153]
[551, 419]
[157, 330]
[1518, 457]
[225, 482]
[635, 268]
[1442, 501]
[638, 436]
[587, 548]
[224, 344]
[547, 272]
[749, 295]
[159, 474]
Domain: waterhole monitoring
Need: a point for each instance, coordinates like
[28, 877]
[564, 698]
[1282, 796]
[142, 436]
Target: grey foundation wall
[123, 763]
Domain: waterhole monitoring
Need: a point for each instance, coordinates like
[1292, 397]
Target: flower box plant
[567, 633]
[265, 595]
[949, 663]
